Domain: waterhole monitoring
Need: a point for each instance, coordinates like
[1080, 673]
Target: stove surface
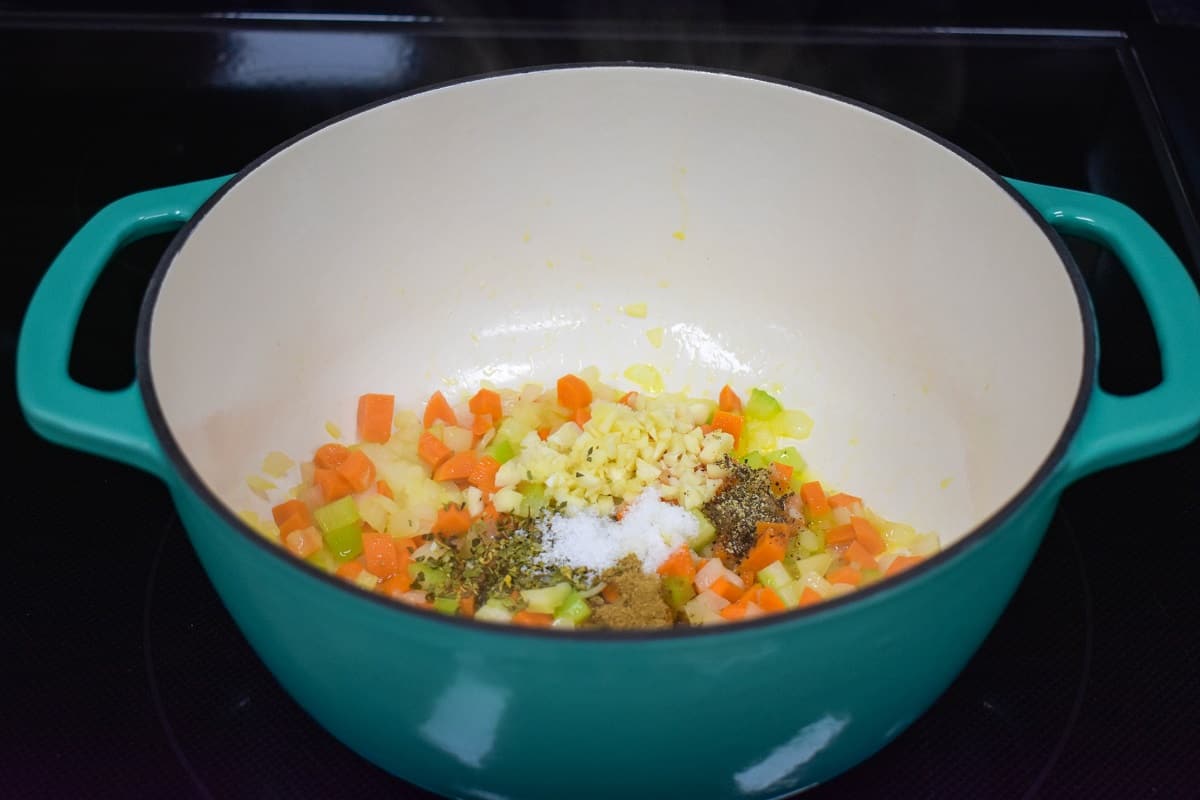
[127, 677]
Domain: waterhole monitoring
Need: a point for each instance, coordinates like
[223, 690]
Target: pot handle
[1119, 429]
[110, 424]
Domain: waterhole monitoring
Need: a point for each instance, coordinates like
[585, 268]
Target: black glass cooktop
[125, 675]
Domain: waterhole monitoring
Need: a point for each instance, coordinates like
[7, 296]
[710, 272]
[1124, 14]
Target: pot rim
[970, 540]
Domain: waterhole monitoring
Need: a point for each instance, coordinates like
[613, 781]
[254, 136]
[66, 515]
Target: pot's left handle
[110, 424]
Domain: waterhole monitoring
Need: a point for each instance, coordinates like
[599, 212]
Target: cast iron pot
[920, 307]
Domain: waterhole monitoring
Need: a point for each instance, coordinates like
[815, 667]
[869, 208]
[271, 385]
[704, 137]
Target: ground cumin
[641, 604]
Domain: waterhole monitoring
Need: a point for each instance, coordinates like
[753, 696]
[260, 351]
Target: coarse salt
[650, 529]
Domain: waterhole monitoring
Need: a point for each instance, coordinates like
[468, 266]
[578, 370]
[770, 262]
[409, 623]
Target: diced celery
[707, 531]
[432, 578]
[338, 514]
[502, 450]
[345, 542]
[493, 611]
[790, 593]
[756, 435]
[790, 456]
[533, 498]
[446, 605]
[762, 405]
[870, 575]
[818, 564]
[774, 575]
[547, 600]
[792, 425]
[322, 559]
[678, 591]
[811, 541]
[755, 459]
[575, 608]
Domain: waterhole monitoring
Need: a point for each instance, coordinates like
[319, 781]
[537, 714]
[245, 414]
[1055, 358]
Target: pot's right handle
[1120, 429]
[110, 424]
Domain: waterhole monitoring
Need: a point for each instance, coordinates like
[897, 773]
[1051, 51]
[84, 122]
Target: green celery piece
[789, 456]
[870, 575]
[338, 514]
[548, 599]
[707, 531]
[432, 578]
[323, 560]
[790, 593]
[533, 498]
[774, 575]
[345, 542]
[677, 590]
[761, 405]
[755, 459]
[494, 611]
[502, 450]
[574, 608]
[446, 605]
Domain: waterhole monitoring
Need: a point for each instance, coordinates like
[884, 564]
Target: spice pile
[583, 506]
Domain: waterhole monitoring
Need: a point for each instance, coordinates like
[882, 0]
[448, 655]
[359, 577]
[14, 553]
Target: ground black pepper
[739, 505]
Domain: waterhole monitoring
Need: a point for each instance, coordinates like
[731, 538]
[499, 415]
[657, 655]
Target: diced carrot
[705, 430]
[385, 490]
[487, 402]
[573, 392]
[843, 500]
[730, 423]
[840, 535]
[610, 593]
[466, 604]
[432, 450]
[358, 470]
[857, 554]
[781, 477]
[482, 424]
[902, 563]
[867, 536]
[350, 570]
[771, 546]
[724, 587]
[489, 511]
[532, 619]
[304, 541]
[629, 399]
[483, 474]
[679, 563]
[457, 467]
[452, 521]
[375, 417]
[844, 574]
[729, 401]
[814, 499]
[769, 601]
[406, 546]
[333, 485]
[734, 612]
[330, 455]
[291, 516]
[396, 585]
[437, 408]
[809, 596]
[544, 432]
[379, 554]
[581, 416]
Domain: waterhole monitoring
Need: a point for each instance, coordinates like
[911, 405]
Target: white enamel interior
[491, 231]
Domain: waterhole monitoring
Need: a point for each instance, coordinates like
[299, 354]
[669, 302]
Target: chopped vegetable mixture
[582, 506]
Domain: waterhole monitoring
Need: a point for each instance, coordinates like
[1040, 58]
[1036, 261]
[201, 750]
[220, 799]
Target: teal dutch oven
[918, 306]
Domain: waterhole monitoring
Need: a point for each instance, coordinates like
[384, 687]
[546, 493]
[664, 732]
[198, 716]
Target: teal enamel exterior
[756, 710]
